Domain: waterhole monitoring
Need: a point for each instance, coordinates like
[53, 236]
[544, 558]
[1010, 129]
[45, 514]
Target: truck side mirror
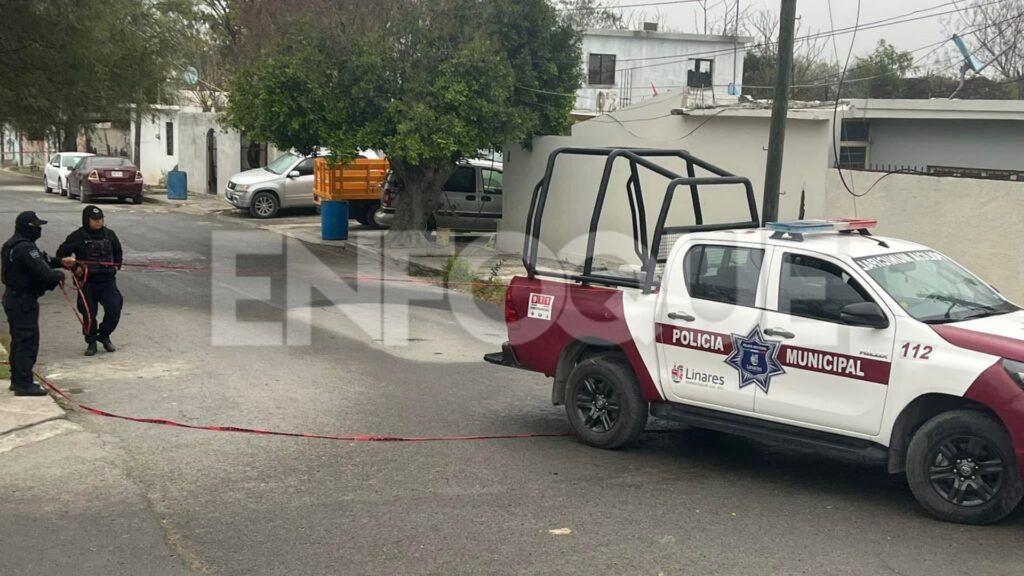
[864, 314]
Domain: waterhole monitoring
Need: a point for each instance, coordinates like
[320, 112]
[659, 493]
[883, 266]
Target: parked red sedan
[105, 177]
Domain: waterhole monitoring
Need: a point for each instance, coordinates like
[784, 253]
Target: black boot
[90, 349]
[108, 345]
[33, 390]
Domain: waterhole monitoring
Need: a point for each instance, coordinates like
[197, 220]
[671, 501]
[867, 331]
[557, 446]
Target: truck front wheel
[603, 403]
[961, 468]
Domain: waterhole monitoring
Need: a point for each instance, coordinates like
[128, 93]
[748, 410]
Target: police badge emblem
[755, 358]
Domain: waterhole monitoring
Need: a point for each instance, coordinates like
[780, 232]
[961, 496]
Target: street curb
[413, 268]
[16, 173]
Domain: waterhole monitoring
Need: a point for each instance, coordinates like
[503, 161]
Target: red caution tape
[347, 438]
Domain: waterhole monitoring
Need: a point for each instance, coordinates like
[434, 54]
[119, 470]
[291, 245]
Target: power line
[626, 6]
[835, 110]
[885, 22]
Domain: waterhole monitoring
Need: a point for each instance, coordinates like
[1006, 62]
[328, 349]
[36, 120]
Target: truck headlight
[1015, 370]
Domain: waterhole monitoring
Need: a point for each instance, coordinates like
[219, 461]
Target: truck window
[726, 274]
[462, 180]
[492, 181]
[815, 288]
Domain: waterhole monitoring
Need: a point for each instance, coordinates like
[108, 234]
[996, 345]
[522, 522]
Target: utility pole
[137, 148]
[780, 106]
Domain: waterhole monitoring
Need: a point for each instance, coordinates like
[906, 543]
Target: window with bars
[601, 70]
[853, 152]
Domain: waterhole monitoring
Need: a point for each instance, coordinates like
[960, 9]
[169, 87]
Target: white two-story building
[624, 67]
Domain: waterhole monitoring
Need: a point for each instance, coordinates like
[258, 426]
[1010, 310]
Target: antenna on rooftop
[971, 64]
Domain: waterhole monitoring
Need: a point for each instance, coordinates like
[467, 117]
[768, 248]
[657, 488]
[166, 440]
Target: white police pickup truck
[812, 333]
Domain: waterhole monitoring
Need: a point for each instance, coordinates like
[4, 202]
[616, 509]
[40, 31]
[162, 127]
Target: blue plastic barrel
[177, 185]
[334, 219]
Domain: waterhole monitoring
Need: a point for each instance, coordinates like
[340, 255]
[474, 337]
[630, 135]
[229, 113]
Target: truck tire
[961, 468]
[603, 403]
[366, 214]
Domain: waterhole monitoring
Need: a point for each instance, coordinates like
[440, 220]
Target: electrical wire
[885, 22]
[835, 109]
[622, 124]
[626, 6]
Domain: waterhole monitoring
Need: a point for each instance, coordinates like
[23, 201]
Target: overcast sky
[814, 16]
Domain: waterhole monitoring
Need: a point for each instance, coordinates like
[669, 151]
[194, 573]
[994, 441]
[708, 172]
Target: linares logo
[681, 373]
[755, 358]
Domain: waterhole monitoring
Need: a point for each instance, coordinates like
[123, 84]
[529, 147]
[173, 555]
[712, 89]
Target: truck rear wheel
[962, 468]
[603, 403]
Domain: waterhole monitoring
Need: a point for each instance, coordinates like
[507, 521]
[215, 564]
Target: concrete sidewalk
[25, 419]
[476, 250]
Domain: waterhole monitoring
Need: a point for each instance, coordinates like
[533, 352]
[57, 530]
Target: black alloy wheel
[966, 470]
[603, 402]
[961, 468]
[597, 404]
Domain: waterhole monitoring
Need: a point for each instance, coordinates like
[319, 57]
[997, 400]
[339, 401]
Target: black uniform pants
[22, 311]
[101, 292]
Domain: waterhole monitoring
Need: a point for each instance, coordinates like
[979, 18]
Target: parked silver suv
[287, 182]
[470, 199]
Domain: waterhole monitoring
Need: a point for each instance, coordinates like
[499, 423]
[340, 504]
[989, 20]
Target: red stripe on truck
[994, 388]
[856, 367]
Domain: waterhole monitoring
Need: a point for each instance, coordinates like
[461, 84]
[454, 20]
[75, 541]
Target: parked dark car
[105, 177]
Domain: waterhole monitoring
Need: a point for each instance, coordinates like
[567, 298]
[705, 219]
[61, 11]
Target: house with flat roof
[966, 138]
[625, 67]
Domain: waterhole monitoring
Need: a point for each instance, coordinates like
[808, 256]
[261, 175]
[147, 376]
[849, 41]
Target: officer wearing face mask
[27, 273]
[98, 248]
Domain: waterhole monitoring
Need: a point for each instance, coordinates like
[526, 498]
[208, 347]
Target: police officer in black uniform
[98, 248]
[27, 273]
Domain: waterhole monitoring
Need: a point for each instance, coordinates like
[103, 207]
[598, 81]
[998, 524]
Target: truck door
[460, 201]
[836, 375]
[490, 198]
[712, 294]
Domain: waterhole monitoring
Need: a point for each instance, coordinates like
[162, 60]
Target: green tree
[879, 74]
[67, 63]
[435, 81]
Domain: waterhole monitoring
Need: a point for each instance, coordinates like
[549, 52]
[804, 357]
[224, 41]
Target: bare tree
[814, 76]
[588, 14]
[994, 33]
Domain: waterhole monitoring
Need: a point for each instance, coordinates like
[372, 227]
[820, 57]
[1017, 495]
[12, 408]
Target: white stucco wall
[976, 222]
[734, 143]
[995, 144]
[153, 148]
[190, 148]
[660, 59]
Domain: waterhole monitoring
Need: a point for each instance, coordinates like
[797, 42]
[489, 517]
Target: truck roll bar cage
[648, 253]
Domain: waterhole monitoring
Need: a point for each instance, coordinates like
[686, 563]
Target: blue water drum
[334, 219]
[177, 185]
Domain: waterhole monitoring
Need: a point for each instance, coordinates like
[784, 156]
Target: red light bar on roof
[815, 226]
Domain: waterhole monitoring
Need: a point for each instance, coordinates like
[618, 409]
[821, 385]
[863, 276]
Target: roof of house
[654, 35]
[935, 109]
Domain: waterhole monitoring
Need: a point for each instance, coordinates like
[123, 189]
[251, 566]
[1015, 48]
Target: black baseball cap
[29, 218]
[94, 212]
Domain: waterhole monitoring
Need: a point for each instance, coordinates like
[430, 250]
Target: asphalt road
[119, 497]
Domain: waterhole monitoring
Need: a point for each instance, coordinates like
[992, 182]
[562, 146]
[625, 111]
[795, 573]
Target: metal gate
[211, 162]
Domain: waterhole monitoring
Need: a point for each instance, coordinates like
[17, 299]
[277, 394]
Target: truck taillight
[93, 176]
[511, 315]
[386, 200]
[138, 176]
